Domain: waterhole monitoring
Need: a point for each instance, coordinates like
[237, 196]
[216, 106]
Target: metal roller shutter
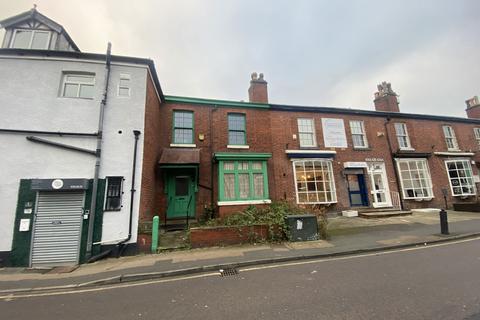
[57, 228]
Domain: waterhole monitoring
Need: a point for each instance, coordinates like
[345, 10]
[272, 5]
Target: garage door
[57, 228]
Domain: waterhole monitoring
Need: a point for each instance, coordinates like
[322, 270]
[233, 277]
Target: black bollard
[443, 222]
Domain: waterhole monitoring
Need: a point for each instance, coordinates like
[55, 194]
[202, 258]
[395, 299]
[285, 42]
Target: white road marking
[11, 297]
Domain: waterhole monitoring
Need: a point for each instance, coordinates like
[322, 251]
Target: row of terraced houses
[92, 149]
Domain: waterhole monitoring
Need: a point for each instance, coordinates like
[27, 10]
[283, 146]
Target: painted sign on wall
[334, 133]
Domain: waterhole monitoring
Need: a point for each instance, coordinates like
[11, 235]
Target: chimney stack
[258, 89]
[473, 108]
[386, 99]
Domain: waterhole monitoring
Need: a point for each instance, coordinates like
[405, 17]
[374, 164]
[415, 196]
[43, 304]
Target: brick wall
[272, 131]
[151, 148]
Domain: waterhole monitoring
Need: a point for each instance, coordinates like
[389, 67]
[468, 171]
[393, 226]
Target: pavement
[347, 236]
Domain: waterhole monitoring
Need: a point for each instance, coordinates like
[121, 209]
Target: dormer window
[30, 39]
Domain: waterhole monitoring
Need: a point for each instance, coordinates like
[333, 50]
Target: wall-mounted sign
[476, 179]
[334, 133]
[355, 164]
[59, 184]
[24, 225]
[374, 159]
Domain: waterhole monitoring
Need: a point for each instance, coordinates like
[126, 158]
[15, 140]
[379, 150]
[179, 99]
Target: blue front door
[357, 190]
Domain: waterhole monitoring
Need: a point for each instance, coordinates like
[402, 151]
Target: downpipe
[98, 153]
[121, 245]
[397, 177]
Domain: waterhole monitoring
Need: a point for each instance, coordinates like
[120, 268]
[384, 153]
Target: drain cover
[228, 272]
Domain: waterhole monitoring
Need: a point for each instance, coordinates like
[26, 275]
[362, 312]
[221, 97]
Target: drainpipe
[212, 163]
[397, 177]
[103, 103]
[121, 244]
[132, 194]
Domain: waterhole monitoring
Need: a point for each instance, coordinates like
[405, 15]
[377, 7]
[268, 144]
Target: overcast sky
[322, 53]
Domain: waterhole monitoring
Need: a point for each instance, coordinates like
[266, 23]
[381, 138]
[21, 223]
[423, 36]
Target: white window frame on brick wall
[402, 136]
[306, 128]
[82, 80]
[460, 177]
[415, 178]
[450, 138]
[476, 132]
[32, 37]
[357, 129]
[315, 184]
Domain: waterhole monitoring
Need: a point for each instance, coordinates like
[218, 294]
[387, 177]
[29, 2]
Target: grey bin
[302, 227]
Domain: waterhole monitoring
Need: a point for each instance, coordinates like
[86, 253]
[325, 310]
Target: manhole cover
[228, 272]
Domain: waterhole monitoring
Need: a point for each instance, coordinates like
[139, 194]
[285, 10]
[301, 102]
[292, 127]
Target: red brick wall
[272, 131]
[151, 151]
[213, 124]
[218, 236]
[473, 112]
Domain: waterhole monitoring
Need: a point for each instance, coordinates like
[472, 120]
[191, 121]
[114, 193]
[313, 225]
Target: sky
[319, 53]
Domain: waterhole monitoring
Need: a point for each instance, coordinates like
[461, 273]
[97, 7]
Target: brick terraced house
[92, 150]
[231, 155]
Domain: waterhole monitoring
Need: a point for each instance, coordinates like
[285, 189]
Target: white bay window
[415, 178]
[314, 181]
[461, 177]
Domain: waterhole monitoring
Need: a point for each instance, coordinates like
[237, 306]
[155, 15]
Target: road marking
[11, 296]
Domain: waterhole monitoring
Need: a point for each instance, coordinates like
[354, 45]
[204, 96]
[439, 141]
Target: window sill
[362, 149]
[81, 98]
[420, 199]
[243, 202]
[327, 203]
[183, 145]
[407, 149]
[237, 146]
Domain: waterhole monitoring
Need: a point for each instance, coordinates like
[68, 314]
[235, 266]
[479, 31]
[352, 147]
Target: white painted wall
[30, 100]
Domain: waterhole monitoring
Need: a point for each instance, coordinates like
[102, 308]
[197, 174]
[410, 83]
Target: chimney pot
[385, 98]
[473, 108]
[258, 92]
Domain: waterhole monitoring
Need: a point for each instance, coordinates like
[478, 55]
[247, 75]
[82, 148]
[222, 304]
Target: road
[437, 282]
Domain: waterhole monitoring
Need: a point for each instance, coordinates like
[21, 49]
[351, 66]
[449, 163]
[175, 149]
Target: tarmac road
[435, 282]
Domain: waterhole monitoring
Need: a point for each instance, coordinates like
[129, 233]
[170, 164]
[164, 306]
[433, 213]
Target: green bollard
[155, 223]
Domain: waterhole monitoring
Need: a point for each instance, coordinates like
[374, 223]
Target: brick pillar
[473, 108]
[386, 99]
[258, 89]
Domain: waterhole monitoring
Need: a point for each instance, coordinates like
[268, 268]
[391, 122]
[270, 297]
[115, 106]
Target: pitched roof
[33, 14]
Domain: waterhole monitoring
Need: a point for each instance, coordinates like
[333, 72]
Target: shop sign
[334, 133]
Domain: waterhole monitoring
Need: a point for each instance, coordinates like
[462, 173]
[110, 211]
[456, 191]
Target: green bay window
[183, 127]
[244, 178]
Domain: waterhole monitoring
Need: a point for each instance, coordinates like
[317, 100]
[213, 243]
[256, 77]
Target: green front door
[181, 196]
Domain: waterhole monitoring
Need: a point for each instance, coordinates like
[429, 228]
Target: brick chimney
[473, 108]
[258, 89]
[386, 99]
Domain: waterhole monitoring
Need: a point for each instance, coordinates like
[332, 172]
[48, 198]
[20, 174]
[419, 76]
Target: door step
[384, 213]
[174, 240]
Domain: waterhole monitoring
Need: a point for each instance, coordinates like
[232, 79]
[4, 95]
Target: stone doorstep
[384, 214]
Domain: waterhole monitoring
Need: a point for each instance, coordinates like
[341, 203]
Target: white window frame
[333, 190]
[362, 133]
[401, 135]
[79, 74]
[124, 76]
[469, 167]
[476, 132]
[314, 136]
[33, 31]
[428, 178]
[449, 135]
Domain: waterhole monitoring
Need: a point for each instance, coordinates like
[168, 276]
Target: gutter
[57, 133]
